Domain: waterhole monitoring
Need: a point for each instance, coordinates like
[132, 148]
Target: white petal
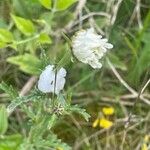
[108, 45]
[95, 65]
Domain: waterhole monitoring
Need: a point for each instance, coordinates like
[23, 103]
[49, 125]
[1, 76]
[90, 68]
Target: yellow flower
[104, 123]
[144, 147]
[108, 110]
[146, 138]
[59, 148]
[95, 123]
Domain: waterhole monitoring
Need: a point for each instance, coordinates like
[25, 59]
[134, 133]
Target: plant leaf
[3, 120]
[2, 44]
[27, 63]
[80, 111]
[117, 62]
[6, 36]
[44, 39]
[9, 90]
[23, 99]
[46, 3]
[53, 141]
[143, 64]
[24, 25]
[64, 4]
[10, 142]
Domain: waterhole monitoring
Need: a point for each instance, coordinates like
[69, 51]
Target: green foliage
[3, 120]
[27, 63]
[46, 3]
[65, 59]
[6, 36]
[20, 100]
[24, 25]
[52, 120]
[64, 4]
[117, 62]
[44, 39]
[3, 44]
[9, 90]
[10, 142]
[80, 111]
[53, 141]
[142, 64]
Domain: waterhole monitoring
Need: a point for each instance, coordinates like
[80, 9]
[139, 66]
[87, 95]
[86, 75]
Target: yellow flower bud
[95, 123]
[108, 111]
[59, 148]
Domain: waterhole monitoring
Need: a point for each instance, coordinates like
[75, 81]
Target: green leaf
[64, 4]
[61, 100]
[146, 37]
[80, 111]
[52, 121]
[5, 36]
[2, 44]
[44, 39]
[142, 64]
[27, 63]
[117, 62]
[53, 142]
[23, 99]
[24, 25]
[9, 90]
[3, 119]
[10, 142]
[46, 3]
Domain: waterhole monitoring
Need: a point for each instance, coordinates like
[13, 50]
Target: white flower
[51, 81]
[89, 47]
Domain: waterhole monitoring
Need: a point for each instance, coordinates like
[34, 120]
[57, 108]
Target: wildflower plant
[48, 100]
[41, 48]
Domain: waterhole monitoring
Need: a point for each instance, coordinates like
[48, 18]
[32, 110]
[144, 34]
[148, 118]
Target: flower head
[144, 147]
[104, 123]
[108, 110]
[89, 47]
[145, 142]
[147, 138]
[51, 81]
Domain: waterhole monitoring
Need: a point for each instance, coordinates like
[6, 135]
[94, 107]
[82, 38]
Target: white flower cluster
[89, 47]
[51, 81]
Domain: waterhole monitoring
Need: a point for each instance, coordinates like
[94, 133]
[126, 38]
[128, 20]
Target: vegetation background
[29, 27]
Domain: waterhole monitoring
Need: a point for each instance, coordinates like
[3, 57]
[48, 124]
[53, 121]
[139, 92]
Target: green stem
[27, 40]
